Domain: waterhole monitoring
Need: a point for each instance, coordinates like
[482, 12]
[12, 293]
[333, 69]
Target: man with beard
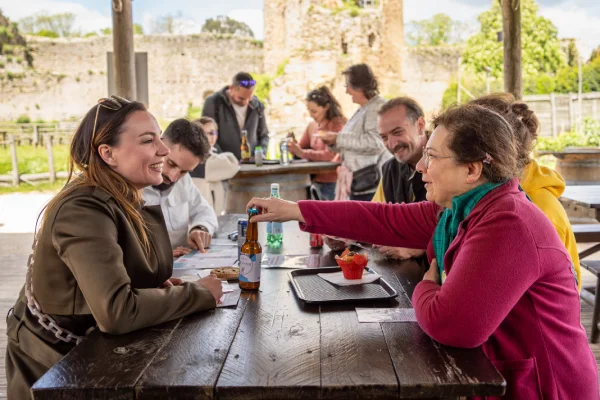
[235, 109]
[189, 218]
[401, 125]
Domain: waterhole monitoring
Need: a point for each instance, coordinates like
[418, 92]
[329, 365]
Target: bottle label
[274, 228]
[250, 267]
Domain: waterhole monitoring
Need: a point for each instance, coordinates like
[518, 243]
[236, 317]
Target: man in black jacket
[236, 109]
[401, 125]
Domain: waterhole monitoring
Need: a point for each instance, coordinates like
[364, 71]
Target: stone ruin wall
[70, 74]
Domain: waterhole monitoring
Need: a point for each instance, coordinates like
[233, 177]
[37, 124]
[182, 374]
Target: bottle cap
[258, 148]
[252, 211]
[274, 186]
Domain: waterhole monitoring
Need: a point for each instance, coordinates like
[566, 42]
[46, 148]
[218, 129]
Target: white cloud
[252, 17]
[86, 20]
[576, 22]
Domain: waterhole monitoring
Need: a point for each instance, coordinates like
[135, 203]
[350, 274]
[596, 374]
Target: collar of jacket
[251, 105]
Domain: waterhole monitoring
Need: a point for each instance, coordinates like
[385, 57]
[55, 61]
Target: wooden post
[123, 50]
[511, 18]
[571, 111]
[48, 141]
[36, 135]
[553, 112]
[15, 164]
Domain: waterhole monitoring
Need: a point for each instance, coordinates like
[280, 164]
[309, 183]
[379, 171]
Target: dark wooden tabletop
[586, 195]
[310, 167]
[273, 346]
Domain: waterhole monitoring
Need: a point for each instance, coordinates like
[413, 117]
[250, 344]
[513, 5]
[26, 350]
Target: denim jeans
[326, 191]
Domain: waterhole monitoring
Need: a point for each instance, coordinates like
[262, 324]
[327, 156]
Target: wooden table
[273, 346]
[252, 181]
[587, 196]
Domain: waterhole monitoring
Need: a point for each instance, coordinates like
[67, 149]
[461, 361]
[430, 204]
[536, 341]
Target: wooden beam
[511, 18]
[123, 50]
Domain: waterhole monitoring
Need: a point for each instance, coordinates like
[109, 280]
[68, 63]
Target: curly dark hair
[524, 122]
[361, 77]
[322, 97]
[189, 135]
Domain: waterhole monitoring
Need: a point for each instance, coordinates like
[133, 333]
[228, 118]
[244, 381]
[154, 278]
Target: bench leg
[595, 330]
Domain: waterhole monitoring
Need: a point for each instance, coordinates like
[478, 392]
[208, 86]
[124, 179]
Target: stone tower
[313, 41]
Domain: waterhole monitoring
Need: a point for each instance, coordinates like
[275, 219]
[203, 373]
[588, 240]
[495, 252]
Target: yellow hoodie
[543, 185]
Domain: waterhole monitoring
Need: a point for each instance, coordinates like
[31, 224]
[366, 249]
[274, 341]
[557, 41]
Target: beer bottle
[244, 148]
[250, 256]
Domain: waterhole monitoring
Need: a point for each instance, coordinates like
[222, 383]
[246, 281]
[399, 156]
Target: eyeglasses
[113, 103]
[213, 133]
[427, 157]
[247, 84]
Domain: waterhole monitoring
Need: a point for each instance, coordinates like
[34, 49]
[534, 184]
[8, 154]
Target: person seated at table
[500, 277]
[101, 258]
[327, 115]
[358, 143]
[210, 177]
[190, 220]
[543, 185]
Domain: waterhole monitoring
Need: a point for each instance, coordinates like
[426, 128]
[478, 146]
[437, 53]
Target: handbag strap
[45, 320]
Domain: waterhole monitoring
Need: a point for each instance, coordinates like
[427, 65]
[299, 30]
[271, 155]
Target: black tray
[313, 289]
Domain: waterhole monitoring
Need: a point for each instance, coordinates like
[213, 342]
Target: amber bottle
[250, 256]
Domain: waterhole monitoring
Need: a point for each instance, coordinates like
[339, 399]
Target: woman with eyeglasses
[100, 258]
[327, 115]
[210, 177]
[361, 149]
[500, 277]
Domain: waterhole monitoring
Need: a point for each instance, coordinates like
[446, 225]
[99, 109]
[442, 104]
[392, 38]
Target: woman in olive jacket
[101, 259]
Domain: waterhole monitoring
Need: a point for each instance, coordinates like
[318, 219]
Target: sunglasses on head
[247, 84]
[113, 103]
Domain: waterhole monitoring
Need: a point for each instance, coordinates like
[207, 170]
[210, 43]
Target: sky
[578, 19]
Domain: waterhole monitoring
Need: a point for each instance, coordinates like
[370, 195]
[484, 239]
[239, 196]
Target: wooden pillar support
[123, 50]
[511, 19]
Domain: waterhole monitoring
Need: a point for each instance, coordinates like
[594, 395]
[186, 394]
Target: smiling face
[138, 157]
[404, 138]
[179, 162]
[317, 112]
[444, 178]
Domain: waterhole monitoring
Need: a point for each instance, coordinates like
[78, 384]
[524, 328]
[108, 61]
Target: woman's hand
[329, 138]
[214, 285]
[432, 273]
[172, 282]
[294, 148]
[274, 209]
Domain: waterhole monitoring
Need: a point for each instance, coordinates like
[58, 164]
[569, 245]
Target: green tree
[437, 30]
[540, 44]
[51, 25]
[137, 29]
[224, 24]
[167, 23]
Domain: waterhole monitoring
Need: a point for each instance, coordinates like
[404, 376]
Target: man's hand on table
[399, 253]
[199, 239]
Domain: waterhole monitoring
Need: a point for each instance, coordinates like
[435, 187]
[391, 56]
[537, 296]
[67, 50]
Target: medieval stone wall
[69, 75]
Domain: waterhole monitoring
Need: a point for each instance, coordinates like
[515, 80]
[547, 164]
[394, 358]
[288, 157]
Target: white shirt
[183, 208]
[240, 114]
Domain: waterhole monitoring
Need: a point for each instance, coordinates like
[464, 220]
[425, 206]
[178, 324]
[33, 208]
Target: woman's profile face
[317, 112]
[138, 157]
[444, 178]
[358, 97]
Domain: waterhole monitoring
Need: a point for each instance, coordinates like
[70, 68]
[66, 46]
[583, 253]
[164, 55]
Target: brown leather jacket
[90, 269]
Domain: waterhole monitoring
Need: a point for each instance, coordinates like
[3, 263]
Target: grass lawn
[33, 159]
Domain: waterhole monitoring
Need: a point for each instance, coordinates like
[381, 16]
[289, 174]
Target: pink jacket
[509, 286]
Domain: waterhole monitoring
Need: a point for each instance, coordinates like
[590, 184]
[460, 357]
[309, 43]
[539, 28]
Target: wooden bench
[591, 296]
[587, 233]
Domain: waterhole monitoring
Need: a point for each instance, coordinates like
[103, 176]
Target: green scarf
[447, 227]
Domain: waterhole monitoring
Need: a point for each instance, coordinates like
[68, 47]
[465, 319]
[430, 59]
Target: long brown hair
[94, 172]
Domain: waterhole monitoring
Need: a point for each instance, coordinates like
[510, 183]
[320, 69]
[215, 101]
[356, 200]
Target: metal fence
[560, 112]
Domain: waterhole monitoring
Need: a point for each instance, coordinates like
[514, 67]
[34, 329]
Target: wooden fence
[559, 112]
[13, 135]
